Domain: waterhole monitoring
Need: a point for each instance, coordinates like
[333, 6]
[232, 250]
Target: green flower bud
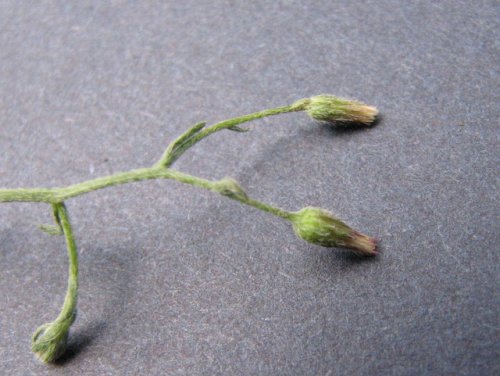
[320, 227]
[50, 340]
[333, 109]
[230, 188]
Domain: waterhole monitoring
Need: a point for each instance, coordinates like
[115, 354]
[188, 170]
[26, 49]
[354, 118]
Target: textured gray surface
[175, 280]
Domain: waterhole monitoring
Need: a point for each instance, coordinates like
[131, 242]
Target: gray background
[176, 280]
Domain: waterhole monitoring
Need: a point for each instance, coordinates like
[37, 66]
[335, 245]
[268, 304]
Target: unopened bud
[333, 109]
[320, 227]
[50, 340]
[230, 188]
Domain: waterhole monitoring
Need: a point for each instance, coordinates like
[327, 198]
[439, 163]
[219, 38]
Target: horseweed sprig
[313, 225]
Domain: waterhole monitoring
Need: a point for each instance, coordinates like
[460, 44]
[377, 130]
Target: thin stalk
[69, 305]
[49, 340]
[58, 195]
[190, 138]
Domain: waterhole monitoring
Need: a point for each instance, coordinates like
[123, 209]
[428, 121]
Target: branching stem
[311, 224]
[158, 171]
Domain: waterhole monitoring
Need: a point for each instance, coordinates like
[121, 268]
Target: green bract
[320, 227]
[334, 109]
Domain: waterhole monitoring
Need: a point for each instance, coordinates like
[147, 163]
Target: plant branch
[69, 306]
[159, 170]
[49, 340]
[57, 195]
[315, 225]
[197, 133]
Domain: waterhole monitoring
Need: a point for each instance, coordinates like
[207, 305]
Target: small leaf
[176, 147]
[191, 131]
[235, 128]
[52, 230]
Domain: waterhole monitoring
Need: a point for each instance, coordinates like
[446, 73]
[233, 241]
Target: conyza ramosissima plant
[314, 225]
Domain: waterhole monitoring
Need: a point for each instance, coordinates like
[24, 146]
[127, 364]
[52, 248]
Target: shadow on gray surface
[78, 341]
[344, 128]
[326, 263]
[313, 132]
[344, 258]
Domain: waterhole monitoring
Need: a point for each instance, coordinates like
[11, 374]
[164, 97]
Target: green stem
[58, 195]
[27, 195]
[69, 305]
[159, 170]
[190, 138]
[50, 339]
[228, 124]
[268, 208]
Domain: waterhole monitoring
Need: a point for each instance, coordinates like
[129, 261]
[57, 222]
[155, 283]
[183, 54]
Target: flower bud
[333, 109]
[320, 227]
[230, 188]
[50, 340]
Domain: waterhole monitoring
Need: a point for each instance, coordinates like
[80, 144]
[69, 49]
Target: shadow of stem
[79, 341]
